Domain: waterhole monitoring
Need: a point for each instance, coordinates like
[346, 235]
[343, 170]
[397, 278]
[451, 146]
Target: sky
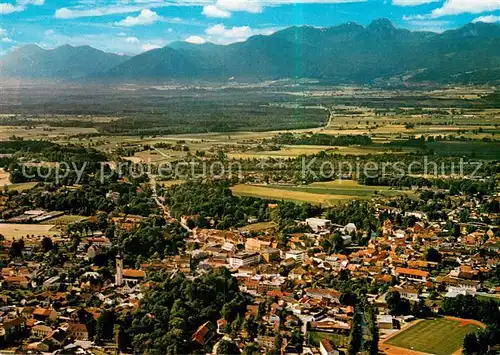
[135, 26]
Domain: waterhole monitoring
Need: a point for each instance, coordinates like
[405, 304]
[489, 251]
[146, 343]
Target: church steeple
[119, 270]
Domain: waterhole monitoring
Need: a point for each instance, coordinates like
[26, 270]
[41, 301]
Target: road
[330, 117]
[164, 208]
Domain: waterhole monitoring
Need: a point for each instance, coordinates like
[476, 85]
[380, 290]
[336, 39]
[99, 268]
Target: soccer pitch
[438, 336]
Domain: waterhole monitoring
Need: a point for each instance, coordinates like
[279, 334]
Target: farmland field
[41, 132]
[345, 187]
[326, 193]
[438, 336]
[279, 193]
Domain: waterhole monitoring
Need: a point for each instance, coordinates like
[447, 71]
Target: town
[190, 267]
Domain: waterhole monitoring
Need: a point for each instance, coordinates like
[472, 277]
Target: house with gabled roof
[203, 334]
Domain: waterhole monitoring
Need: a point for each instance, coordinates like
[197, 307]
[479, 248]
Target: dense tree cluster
[360, 213]
[173, 309]
[471, 307]
[18, 145]
[152, 237]
[132, 197]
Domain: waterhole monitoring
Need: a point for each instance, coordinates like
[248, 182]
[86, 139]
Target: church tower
[119, 270]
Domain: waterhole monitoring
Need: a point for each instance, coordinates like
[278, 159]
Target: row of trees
[321, 139]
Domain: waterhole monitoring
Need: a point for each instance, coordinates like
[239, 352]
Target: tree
[16, 249]
[420, 309]
[278, 342]
[227, 347]
[47, 244]
[105, 326]
[470, 344]
[397, 305]
[355, 337]
[348, 298]
[433, 255]
[251, 349]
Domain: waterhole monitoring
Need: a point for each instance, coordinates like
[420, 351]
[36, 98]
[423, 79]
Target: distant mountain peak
[29, 48]
[482, 29]
[64, 62]
[381, 23]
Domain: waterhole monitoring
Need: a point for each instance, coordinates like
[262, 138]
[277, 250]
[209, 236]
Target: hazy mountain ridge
[65, 62]
[349, 53]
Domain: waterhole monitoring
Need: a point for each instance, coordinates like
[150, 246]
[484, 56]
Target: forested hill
[348, 53]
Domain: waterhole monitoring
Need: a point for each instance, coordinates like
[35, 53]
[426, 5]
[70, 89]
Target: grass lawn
[495, 298]
[65, 220]
[21, 186]
[258, 227]
[438, 336]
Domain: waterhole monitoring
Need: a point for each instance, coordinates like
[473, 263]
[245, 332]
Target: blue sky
[134, 26]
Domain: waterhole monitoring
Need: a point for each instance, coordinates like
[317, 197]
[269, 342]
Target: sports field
[441, 336]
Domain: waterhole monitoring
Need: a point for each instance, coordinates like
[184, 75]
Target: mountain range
[349, 53]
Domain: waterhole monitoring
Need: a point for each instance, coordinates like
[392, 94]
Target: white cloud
[146, 17]
[170, 30]
[149, 46]
[412, 2]
[455, 7]
[7, 40]
[93, 8]
[436, 26]
[65, 13]
[6, 8]
[195, 40]
[231, 33]
[252, 6]
[224, 35]
[223, 8]
[132, 40]
[31, 2]
[487, 19]
[49, 32]
[3, 32]
[214, 11]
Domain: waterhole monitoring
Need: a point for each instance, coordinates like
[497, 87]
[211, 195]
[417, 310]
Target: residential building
[297, 255]
[244, 259]
[411, 274]
[318, 224]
